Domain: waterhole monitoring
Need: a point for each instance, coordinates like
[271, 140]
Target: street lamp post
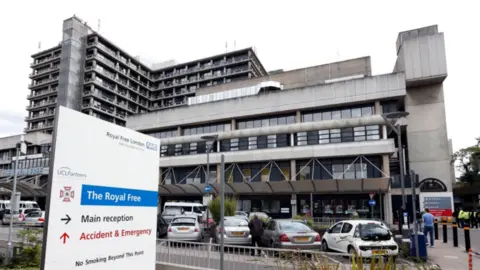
[395, 116]
[21, 148]
[213, 139]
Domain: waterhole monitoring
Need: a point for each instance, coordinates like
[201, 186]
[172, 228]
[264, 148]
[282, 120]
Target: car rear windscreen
[183, 222]
[34, 214]
[294, 227]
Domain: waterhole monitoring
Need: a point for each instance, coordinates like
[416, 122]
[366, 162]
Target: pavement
[474, 238]
[449, 258]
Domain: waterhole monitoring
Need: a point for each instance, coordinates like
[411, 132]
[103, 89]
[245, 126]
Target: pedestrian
[256, 231]
[400, 218]
[473, 219]
[461, 220]
[427, 218]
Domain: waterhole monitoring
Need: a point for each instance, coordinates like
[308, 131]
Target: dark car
[162, 227]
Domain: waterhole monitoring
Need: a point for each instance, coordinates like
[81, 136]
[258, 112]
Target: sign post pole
[222, 210]
[414, 206]
[13, 202]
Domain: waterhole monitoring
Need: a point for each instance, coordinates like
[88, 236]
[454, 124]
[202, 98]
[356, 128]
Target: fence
[207, 256]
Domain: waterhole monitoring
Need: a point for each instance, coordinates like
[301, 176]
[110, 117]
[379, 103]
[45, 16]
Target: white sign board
[440, 204]
[103, 198]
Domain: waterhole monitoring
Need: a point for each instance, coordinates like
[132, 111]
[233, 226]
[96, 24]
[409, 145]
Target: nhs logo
[152, 146]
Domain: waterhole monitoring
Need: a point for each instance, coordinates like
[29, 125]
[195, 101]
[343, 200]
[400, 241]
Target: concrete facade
[421, 55]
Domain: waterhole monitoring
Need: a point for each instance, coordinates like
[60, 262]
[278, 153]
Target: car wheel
[324, 246]
[353, 253]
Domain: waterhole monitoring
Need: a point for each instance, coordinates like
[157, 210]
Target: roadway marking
[450, 257]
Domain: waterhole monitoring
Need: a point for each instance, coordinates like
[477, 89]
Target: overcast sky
[286, 35]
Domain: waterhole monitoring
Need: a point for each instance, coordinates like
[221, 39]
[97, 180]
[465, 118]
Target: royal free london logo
[67, 194]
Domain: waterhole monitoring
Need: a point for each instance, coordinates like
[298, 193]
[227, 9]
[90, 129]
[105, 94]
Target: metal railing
[191, 255]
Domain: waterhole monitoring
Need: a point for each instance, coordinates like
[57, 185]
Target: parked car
[169, 214]
[18, 218]
[185, 228]
[162, 227]
[241, 213]
[236, 231]
[35, 219]
[365, 238]
[290, 234]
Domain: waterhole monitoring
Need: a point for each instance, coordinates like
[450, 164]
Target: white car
[364, 238]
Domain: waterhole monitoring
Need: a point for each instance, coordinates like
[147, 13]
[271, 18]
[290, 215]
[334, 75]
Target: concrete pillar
[292, 139]
[378, 107]
[234, 124]
[179, 131]
[293, 170]
[387, 200]
[294, 205]
[298, 117]
[383, 128]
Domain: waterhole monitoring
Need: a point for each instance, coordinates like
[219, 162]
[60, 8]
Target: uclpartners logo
[132, 142]
[67, 172]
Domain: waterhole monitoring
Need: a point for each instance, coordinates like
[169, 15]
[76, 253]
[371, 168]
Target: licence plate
[183, 229]
[30, 223]
[379, 252]
[237, 233]
[301, 239]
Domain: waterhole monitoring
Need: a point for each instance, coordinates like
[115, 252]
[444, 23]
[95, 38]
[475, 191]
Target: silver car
[35, 219]
[290, 234]
[185, 228]
[18, 217]
[236, 231]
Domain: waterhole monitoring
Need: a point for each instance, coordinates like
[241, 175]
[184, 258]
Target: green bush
[30, 254]
[304, 217]
[264, 219]
[214, 207]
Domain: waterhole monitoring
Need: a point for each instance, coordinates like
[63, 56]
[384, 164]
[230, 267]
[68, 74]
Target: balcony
[42, 82]
[45, 60]
[44, 71]
[41, 104]
[184, 71]
[38, 127]
[39, 116]
[42, 93]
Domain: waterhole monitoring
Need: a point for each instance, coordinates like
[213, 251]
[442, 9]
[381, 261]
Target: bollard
[444, 228]
[470, 263]
[435, 228]
[455, 234]
[466, 231]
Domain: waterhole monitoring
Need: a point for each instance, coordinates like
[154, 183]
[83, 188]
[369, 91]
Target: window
[337, 228]
[271, 226]
[265, 122]
[347, 227]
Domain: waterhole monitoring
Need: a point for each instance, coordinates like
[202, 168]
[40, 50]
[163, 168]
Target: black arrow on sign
[67, 219]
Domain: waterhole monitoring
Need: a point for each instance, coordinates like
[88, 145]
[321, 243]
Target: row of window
[338, 114]
[337, 168]
[265, 122]
[351, 134]
[29, 163]
[345, 113]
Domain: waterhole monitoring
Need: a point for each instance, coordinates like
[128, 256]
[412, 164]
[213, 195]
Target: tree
[230, 206]
[468, 163]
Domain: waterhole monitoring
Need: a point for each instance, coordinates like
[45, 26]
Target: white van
[5, 204]
[189, 208]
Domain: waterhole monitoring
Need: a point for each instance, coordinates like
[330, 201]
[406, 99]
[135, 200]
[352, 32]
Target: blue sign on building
[23, 172]
[208, 188]
[372, 202]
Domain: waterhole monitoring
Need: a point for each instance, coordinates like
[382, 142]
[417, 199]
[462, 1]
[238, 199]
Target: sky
[286, 35]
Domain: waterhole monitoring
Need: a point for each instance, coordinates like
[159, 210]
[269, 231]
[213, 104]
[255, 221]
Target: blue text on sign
[113, 196]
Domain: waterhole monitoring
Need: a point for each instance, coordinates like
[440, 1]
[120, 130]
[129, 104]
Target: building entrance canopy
[283, 187]
[25, 189]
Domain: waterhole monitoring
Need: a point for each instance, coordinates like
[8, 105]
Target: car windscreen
[34, 214]
[172, 211]
[185, 208]
[373, 232]
[183, 222]
[290, 226]
[26, 211]
[235, 222]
